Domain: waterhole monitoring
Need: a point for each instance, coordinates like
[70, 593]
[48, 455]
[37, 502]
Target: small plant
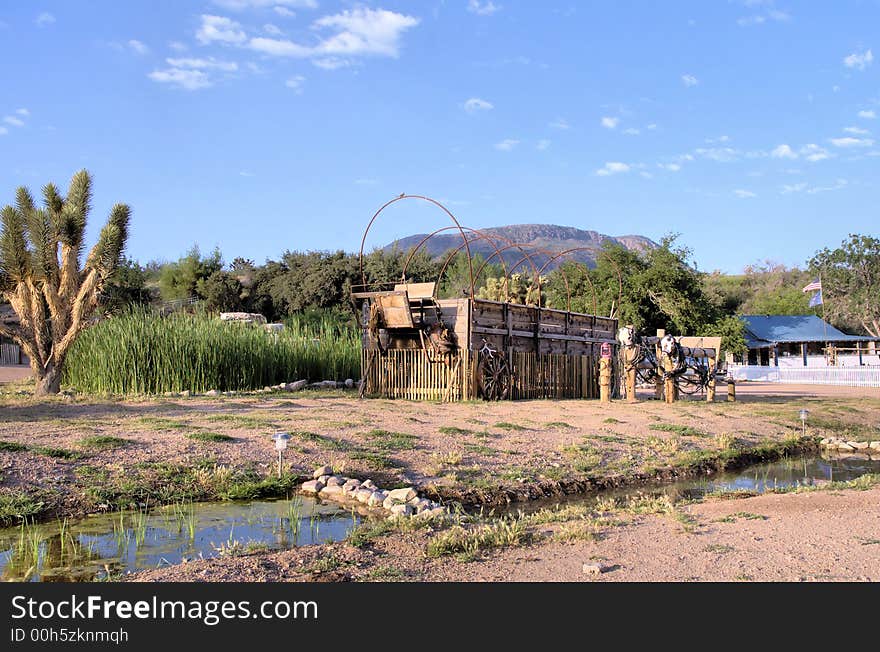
[662, 446]
[213, 437]
[612, 420]
[719, 548]
[505, 425]
[452, 430]
[558, 424]
[391, 441]
[684, 431]
[498, 534]
[726, 441]
[103, 442]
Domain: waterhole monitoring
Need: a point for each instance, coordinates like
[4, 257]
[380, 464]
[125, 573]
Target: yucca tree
[41, 274]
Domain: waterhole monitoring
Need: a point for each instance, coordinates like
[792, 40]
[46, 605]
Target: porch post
[804, 352]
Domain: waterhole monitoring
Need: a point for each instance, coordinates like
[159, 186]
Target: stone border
[844, 446]
[394, 502]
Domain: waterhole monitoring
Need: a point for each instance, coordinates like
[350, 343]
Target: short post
[731, 389]
[605, 373]
[281, 439]
[710, 390]
[631, 382]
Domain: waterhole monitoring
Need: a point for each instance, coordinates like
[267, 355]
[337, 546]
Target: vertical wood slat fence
[10, 354]
[410, 374]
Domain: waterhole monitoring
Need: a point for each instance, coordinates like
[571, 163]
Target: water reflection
[98, 547]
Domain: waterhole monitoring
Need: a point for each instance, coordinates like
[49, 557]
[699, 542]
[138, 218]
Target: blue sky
[750, 127]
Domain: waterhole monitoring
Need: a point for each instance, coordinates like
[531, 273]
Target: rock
[267, 389]
[369, 484]
[297, 385]
[375, 499]
[424, 503]
[593, 569]
[437, 511]
[212, 392]
[331, 491]
[414, 501]
[401, 510]
[323, 470]
[349, 383]
[335, 480]
[388, 503]
[312, 486]
[363, 495]
[165, 394]
[860, 445]
[324, 478]
[875, 445]
[351, 484]
[186, 392]
[349, 490]
[403, 495]
[843, 446]
[825, 441]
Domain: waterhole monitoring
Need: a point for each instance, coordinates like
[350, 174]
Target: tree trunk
[49, 381]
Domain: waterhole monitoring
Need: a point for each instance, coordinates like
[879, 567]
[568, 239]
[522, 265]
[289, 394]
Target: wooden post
[658, 382]
[605, 380]
[710, 391]
[804, 352]
[731, 390]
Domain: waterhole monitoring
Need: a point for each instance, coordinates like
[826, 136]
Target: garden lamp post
[803, 415]
[281, 439]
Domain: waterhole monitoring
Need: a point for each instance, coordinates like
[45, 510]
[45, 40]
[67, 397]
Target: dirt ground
[511, 450]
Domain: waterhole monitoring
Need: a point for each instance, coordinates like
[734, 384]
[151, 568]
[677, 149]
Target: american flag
[815, 285]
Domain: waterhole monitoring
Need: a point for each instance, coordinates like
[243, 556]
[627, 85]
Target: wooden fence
[10, 354]
[411, 374]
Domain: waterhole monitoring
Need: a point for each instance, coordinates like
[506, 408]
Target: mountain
[533, 238]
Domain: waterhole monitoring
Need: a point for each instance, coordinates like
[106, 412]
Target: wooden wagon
[421, 348]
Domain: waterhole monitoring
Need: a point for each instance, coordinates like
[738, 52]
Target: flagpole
[824, 322]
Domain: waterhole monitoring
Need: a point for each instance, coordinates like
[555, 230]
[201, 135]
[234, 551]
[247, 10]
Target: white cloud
[245, 173]
[719, 154]
[869, 115]
[670, 167]
[331, 63]
[23, 112]
[190, 80]
[482, 8]
[357, 32]
[12, 120]
[560, 123]
[242, 5]
[284, 12]
[631, 131]
[646, 175]
[856, 130]
[759, 19]
[795, 187]
[219, 28]
[612, 167]
[744, 194]
[203, 64]
[506, 145]
[840, 183]
[652, 126]
[858, 61]
[44, 19]
[296, 83]
[610, 123]
[542, 145]
[274, 30]
[177, 46]
[783, 151]
[689, 80]
[849, 141]
[475, 104]
[137, 47]
[3, 131]
[814, 153]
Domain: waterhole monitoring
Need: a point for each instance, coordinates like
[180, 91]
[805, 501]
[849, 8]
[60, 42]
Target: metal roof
[764, 330]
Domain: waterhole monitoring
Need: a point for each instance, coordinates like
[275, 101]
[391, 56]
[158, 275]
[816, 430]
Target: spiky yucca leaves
[40, 273]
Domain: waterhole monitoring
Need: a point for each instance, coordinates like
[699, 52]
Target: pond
[102, 546]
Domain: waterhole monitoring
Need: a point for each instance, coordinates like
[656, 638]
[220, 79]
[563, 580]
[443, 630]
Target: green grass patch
[212, 437]
[612, 420]
[321, 441]
[506, 425]
[161, 423]
[244, 421]
[374, 461]
[452, 430]
[719, 548]
[479, 449]
[103, 442]
[12, 447]
[390, 441]
[684, 431]
[558, 424]
[731, 518]
[60, 453]
[17, 506]
[468, 542]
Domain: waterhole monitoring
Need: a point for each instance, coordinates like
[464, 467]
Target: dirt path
[14, 373]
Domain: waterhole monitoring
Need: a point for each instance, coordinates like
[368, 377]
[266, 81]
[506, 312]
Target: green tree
[221, 292]
[127, 286]
[180, 280]
[851, 282]
[41, 274]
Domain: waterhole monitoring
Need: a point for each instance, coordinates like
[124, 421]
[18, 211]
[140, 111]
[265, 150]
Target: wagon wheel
[495, 378]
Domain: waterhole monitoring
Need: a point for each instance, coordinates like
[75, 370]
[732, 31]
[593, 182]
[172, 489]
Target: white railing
[848, 376]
